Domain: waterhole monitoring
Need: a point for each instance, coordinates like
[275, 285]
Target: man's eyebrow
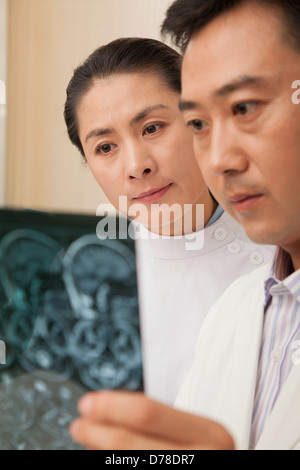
[144, 113]
[245, 81]
[188, 105]
[98, 133]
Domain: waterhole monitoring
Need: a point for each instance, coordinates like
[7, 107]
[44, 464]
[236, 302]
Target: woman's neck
[190, 218]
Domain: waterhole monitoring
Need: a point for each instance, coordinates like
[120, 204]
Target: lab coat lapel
[282, 430]
[244, 366]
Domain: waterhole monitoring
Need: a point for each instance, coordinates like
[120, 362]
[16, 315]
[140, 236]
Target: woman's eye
[243, 108]
[152, 128]
[197, 124]
[104, 148]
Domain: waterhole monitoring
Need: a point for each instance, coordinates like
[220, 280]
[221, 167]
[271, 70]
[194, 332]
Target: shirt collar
[282, 279]
[216, 215]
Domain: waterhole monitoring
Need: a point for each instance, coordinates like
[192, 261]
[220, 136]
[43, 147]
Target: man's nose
[226, 151]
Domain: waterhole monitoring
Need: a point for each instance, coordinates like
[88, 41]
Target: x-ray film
[69, 323]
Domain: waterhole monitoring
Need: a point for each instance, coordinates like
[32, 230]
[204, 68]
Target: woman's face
[137, 146]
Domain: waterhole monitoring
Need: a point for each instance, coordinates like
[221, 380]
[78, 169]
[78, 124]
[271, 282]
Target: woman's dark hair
[184, 18]
[125, 55]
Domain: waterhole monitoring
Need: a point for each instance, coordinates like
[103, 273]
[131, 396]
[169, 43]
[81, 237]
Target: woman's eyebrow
[144, 113]
[137, 118]
[98, 133]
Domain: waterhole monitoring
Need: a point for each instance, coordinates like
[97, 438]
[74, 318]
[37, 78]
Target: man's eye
[197, 124]
[104, 148]
[152, 128]
[243, 108]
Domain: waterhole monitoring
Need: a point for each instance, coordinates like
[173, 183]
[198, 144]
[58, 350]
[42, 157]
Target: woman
[122, 114]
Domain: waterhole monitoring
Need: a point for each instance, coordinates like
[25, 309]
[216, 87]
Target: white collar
[224, 231]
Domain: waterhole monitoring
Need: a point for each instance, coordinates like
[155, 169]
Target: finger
[134, 410]
[105, 437]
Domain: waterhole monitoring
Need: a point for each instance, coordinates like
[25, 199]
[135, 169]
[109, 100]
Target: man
[240, 61]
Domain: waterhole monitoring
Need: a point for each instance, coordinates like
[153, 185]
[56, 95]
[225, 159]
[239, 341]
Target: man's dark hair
[124, 55]
[186, 17]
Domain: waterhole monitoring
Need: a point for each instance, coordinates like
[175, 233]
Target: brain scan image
[69, 319]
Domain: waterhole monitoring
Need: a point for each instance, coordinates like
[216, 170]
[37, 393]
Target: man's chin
[260, 234]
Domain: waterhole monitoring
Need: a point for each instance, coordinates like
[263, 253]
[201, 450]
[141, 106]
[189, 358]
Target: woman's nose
[139, 162]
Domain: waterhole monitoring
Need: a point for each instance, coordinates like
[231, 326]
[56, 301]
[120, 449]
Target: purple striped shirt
[280, 337]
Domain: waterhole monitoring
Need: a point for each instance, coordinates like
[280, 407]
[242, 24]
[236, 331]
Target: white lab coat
[177, 287]
[221, 383]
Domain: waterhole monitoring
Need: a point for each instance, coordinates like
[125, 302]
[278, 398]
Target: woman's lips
[152, 195]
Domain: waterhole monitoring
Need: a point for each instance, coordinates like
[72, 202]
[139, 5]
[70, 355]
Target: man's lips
[243, 202]
[152, 194]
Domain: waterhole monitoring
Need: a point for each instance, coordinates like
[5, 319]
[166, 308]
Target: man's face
[237, 88]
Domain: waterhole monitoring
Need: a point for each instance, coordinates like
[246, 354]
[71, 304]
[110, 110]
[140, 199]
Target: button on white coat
[256, 258]
[234, 247]
[220, 234]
